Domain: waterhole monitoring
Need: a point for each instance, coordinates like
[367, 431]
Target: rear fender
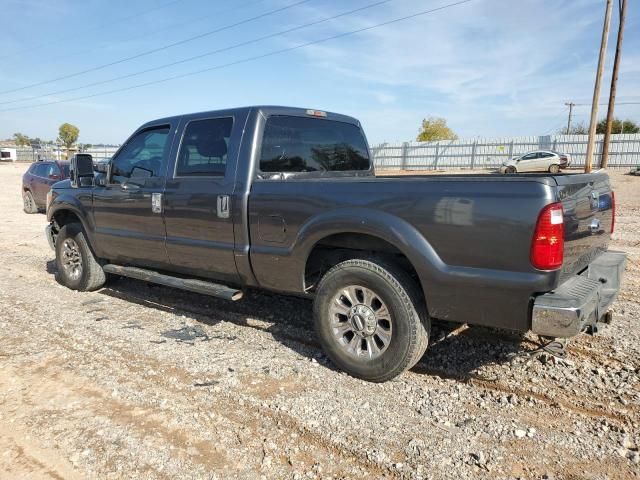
[394, 230]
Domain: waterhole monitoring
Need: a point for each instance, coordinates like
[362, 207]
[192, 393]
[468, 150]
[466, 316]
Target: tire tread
[405, 287]
[93, 274]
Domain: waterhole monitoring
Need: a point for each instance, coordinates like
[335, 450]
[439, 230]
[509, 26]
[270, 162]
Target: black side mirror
[81, 168]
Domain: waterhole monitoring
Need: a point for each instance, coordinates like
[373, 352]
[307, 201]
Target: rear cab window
[301, 144]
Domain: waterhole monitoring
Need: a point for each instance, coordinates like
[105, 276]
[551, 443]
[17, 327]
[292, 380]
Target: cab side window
[142, 156]
[204, 148]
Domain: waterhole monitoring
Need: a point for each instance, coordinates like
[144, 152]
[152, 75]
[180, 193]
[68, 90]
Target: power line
[113, 22]
[250, 59]
[209, 53]
[555, 129]
[617, 103]
[158, 49]
[177, 25]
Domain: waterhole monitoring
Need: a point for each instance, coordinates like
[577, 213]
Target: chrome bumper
[48, 231]
[580, 302]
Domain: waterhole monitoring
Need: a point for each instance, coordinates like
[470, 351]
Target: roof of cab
[265, 109]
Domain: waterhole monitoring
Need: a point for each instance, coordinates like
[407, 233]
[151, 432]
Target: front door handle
[130, 187]
[156, 202]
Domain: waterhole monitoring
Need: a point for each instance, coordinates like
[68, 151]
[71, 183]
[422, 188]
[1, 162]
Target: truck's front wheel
[77, 266]
[370, 319]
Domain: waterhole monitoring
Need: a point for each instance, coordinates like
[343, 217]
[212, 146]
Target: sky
[491, 68]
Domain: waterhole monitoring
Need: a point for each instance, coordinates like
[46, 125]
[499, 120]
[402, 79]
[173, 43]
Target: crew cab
[286, 199]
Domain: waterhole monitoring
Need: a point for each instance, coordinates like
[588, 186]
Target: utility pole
[622, 5]
[570, 105]
[596, 89]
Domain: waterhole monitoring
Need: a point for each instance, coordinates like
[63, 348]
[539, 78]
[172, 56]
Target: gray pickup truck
[286, 200]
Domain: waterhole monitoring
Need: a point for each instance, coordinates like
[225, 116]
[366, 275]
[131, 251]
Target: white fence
[624, 151]
[29, 154]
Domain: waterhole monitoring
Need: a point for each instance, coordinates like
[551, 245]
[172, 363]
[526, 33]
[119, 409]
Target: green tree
[434, 128]
[21, 139]
[618, 126]
[68, 135]
[577, 129]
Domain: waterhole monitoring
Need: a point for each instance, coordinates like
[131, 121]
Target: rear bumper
[582, 301]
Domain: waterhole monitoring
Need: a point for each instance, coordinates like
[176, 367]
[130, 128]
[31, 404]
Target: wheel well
[64, 217]
[337, 248]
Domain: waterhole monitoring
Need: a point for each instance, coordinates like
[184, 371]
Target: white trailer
[8, 154]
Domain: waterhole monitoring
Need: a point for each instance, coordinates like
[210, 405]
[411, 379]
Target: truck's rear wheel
[370, 319]
[554, 168]
[77, 266]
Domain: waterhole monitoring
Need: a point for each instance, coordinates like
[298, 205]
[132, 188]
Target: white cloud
[477, 63]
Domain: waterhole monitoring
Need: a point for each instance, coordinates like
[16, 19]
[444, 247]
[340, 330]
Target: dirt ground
[141, 381]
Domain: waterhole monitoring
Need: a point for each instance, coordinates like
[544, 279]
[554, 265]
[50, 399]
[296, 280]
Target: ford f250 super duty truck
[286, 200]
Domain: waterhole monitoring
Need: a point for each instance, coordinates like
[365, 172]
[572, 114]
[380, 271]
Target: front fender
[76, 202]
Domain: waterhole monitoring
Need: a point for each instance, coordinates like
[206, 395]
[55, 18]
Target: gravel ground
[141, 381]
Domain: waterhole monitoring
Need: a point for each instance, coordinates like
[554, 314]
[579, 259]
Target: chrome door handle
[156, 202]
[223, 206]
[130, 187]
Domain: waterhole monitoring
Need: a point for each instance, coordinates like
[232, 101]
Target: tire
[510, 170]
[554, 168]
[28, 203]
[73, 251]
[368, 343]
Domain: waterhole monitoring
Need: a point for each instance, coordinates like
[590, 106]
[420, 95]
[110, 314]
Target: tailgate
[588, 214]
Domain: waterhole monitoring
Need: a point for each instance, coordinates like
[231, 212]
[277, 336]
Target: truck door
[128, 209]
[198, 194]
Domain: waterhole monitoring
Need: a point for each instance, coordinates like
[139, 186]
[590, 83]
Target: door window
[41, 170]
[299, 144]
[204, 148]
[52, 169]
[530, 156]
[142, 156]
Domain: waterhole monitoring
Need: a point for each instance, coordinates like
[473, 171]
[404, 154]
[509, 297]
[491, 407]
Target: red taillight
[547, 247]
[613, 211]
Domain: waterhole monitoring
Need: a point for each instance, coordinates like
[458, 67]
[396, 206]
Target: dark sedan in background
[37, 181]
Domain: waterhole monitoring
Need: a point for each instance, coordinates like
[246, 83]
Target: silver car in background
[537, 161]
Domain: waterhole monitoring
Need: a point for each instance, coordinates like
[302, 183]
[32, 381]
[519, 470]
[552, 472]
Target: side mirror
[81, 167]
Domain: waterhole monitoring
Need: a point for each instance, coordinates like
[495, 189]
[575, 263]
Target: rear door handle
[223, 206]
